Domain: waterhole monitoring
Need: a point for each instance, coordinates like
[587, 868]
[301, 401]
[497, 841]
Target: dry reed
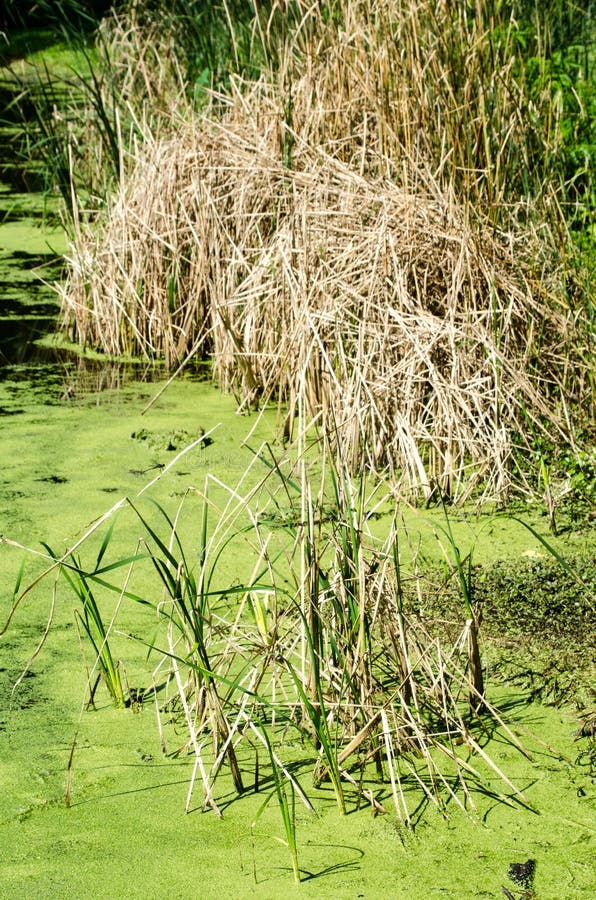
[307, 235]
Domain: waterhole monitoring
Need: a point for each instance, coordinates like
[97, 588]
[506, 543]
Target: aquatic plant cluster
[319, 644]
[372, 216]
[379, 210]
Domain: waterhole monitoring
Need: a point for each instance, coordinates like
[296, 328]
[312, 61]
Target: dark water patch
[15, 172]
[15, 307]
[198, 370]
[52, 376]
[33, 372]
[27, 297]
[16, 211]
[83, 377]
[13, 495]
[33, 259]
[16, 214]
[17, 342]
[26, 384]
[22, 94]
[21, 176]
[22, 41]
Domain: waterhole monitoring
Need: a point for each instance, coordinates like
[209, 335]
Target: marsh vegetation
[380, 211]
[374, 222]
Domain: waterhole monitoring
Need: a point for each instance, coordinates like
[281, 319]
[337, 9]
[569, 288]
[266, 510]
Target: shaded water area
[32, 241]
[28, 307]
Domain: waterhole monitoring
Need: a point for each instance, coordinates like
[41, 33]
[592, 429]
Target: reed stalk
[318, 638]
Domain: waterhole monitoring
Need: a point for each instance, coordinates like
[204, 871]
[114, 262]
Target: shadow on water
[28, 307]
[31, 368]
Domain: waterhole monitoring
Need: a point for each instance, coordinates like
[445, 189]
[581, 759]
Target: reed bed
[319, 641]
[382, 311]
[341, 234]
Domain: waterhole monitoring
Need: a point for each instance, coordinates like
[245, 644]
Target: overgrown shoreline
[396, 246]
[408, 330]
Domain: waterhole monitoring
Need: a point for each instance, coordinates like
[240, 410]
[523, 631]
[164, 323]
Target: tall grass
[314, 637]
[377, 227]
[389, 317]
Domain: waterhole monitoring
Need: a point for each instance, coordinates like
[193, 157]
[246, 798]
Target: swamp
[298, 486]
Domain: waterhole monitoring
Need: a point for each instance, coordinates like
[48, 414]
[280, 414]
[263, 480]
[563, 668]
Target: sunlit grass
[313, 640]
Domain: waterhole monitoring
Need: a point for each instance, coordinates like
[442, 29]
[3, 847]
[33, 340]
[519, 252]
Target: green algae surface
[77, 437]
[125, 833]
[64, 463]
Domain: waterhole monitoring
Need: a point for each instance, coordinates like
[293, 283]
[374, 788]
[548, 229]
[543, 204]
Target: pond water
[32, 243]
[74, 437]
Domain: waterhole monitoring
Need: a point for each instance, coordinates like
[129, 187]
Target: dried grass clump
[380, 310]
[341, 235]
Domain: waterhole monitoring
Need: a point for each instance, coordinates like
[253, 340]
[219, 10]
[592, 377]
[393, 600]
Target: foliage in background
[506, 88]
[536, 617]
[32, 14]
[538, 596]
